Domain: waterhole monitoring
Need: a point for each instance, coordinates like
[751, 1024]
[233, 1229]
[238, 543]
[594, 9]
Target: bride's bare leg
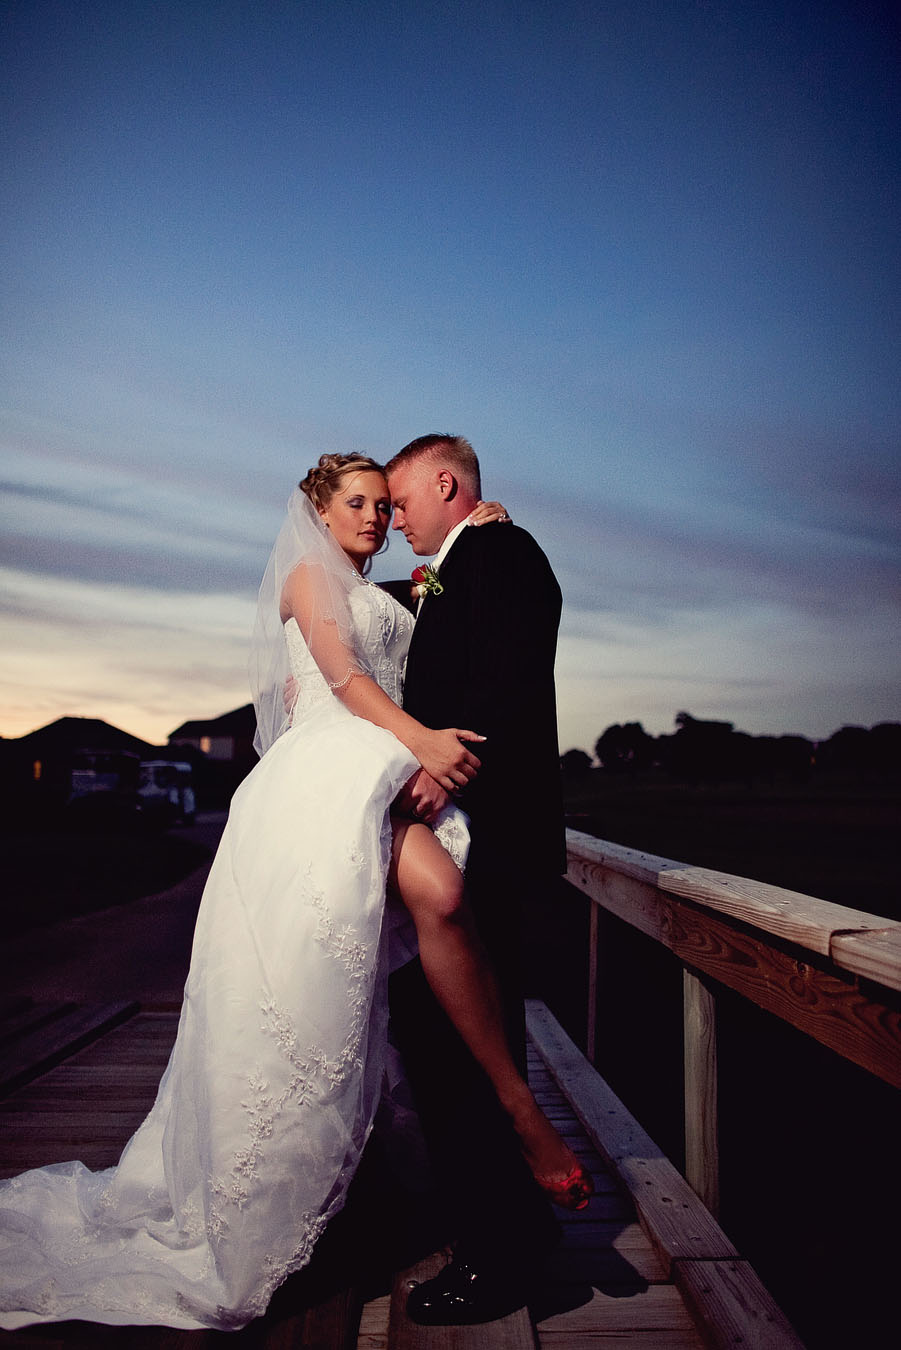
[460, 975]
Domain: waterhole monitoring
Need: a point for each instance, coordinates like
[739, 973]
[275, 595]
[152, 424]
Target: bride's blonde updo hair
[323, 481]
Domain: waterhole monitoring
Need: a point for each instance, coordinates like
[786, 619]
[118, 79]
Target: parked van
[166, 789]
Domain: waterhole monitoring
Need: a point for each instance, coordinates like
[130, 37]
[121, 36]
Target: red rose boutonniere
[425, 580]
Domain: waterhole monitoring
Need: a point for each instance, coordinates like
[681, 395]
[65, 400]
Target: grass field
[832, 837]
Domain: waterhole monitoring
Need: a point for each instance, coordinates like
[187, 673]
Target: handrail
[831, 971]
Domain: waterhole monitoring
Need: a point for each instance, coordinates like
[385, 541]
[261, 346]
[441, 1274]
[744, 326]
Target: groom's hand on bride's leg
[421, 798]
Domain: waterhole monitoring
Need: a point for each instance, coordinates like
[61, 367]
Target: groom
[482, 656]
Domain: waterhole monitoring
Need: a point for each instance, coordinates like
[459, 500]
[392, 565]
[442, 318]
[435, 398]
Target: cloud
[138, 502]
[659, 562]
[759, 667]
[749, 615]
[162, 565]
[109, 527]
[137, 657]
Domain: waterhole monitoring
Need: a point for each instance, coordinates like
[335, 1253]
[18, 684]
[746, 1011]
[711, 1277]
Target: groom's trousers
[499, 1216]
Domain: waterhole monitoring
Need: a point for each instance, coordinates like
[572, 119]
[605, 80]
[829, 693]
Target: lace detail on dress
[311, 1073]
[382, 632]
[340, 942]
[311, 1227]
[272, 1086]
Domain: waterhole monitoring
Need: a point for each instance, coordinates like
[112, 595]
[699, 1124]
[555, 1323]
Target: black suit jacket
[482, 658]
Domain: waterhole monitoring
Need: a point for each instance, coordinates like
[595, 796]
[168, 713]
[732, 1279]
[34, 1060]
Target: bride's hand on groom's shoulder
[486, 513]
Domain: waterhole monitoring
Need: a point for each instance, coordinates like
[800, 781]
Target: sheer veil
[329, 580]
[268, 1099]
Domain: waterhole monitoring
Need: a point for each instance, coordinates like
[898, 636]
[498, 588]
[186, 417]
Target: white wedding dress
[274, 1079]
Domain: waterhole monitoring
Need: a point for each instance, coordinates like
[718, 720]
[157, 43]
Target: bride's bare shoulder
[302, 584]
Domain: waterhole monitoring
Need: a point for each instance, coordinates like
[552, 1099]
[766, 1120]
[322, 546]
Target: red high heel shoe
[573, 1192]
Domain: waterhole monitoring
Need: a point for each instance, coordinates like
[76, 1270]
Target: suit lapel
[429, 616]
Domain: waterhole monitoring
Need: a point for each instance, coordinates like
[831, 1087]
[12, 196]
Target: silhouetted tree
[885, 746]
[846, 749]
[625, 747]
[706, 750]
[795, 756]
[854, 749]
[575, 764]
[713, 751]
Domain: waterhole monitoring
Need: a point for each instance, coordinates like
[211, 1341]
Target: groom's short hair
[454, 451]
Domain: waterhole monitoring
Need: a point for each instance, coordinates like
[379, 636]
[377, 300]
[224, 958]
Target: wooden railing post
[702, 1160]
[591, 1031]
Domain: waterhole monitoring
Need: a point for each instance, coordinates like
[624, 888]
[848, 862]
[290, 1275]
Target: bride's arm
[440, 753]
[484, 513]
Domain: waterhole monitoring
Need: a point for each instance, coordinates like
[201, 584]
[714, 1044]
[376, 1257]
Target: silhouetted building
[226, 739]
[222, 750]
[70, 759]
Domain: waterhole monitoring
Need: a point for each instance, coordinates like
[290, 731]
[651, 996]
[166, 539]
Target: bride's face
[358, 515]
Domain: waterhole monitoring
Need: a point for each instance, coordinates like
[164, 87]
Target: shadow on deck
[644, 1265]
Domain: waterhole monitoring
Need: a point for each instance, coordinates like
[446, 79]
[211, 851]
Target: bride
[271, 1088]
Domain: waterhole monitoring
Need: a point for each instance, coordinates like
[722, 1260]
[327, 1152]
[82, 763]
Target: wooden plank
[29, 1017]
[69, 1099]
[373, 1330]
[599, 1339]
[790, 915]
[630, 862]
[638, 903]
[89, 1124]
[330, 1325]
[592, 1014]
[651, 1318]
[732, 1307]
[514, 1332]
[607, 1266]
[38, 1051]
[668, 1209]
[658, 1308]
[20, 1157]
[875, 956]
[702, 1156]
[823, 1004]
[86, 1110]
[77, 1071]
[95, 1336]
[604, 1207]
[802, 919]
[724, 1294]
[145, 1040]
[599, 1232]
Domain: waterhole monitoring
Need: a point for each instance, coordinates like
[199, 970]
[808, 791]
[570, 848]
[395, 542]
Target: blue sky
[644, 256]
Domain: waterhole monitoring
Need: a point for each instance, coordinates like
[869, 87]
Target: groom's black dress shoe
[461, 1296]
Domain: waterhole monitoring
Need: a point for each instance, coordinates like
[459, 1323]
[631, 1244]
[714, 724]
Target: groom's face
[420, 507]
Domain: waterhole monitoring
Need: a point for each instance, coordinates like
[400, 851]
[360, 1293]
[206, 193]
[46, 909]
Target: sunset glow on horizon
[646, 260]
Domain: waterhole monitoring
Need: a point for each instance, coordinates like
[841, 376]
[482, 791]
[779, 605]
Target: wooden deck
[644, 1265]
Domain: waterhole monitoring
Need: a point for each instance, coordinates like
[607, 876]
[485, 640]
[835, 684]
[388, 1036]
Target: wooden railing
[832, 972]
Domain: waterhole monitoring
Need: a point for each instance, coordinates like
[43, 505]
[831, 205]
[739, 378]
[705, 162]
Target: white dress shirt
[442, 554]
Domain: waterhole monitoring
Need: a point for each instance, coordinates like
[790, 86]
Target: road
[140, 950]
